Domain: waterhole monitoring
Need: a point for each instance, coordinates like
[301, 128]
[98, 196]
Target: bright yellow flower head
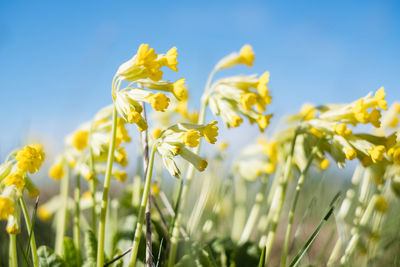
[374, 117]
[56, 171]
[122, 134]
[6, 207]
[43, 213]
[170, 59]
[121, 156]
[156, 190]
[145, 56]
[263, 121]
[269, 168]
[30, 158]
[396, 156]
[191, 138]
[248, 100]
[246, 55]
[133, 116]
[158, 101]
[316, 132]
[179, 90]
[262, 86]
[377, 153]
[307, 112]
[270, 149]
[157, 133]
[236, 121]
[324, 164]
[341, 129]
[351, 154]
[120, 176]
[15, 179]
[210, 132]
[360, 111]
[379, 97]
[80, 139]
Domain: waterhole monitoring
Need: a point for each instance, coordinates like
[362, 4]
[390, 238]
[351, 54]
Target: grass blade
[307, 245]
[262, 258]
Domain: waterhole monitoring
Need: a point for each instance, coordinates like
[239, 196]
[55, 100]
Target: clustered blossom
[92, 139]
[178, 139]
[329, 127]
[144, 71]
[14, 180]
[257, 159]
[235, 97]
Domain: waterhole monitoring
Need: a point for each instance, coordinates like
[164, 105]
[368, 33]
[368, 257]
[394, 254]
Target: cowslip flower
[244, 56]
[15, 178]
[176, 140]
[247, 96]
[144, 74]
[30, 158]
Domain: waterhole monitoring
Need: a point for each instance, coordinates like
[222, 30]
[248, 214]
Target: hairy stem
[104, 201]
[143, 204]
[30, 230]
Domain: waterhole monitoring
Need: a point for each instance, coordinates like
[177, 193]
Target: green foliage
[47, 258]
[70, 253]
[90, 249]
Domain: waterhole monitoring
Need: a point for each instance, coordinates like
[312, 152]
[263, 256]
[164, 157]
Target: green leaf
[47, 258]
[262, 258]
[70, 253]
[90, 248]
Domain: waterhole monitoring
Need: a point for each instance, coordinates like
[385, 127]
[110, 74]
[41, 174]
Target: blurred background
[57, 59]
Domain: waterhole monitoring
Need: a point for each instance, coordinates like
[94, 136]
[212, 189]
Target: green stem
[140, 218]
[239, 215]
[12, 255]
[277, 203]
[62, 217]
[77, 198]
[356, 233]
[299, 186]
[185, 192]
[104, 201]
[255, 211]
[92, 185]
[30, 230]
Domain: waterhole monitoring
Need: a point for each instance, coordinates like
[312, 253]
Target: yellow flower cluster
[175, 140]
[144, 70]
[30, 158]
[237, 96]
[6, 207]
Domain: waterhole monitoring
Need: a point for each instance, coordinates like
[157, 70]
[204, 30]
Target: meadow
[320, 191]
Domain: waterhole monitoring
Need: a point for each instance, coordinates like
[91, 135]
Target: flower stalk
[106, 188]
[186, 187]
[62, 216]
[12, 255]
[277, 202]
[30, 231]
[143, 204]
[299, 187]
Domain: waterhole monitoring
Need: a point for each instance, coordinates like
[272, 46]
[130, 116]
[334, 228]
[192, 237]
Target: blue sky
[57, 59]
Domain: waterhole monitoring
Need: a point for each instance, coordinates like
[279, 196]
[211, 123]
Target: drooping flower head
[143, 72]
[177, 139]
